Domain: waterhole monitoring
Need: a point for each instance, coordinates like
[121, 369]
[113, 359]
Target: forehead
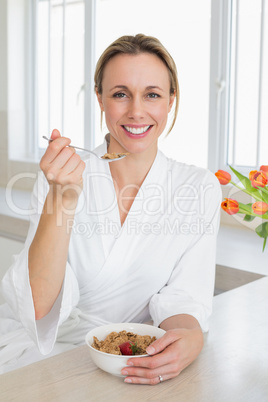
[141, 69]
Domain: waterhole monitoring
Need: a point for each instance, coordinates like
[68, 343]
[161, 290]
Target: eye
[119, 95]
[153, 95]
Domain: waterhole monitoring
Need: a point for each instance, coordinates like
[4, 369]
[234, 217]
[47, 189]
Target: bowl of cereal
[111, 346]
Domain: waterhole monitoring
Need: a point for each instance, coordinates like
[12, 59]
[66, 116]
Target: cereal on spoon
[114, 155]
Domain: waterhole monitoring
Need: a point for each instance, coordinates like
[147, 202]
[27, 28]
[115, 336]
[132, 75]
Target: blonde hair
[134, 45]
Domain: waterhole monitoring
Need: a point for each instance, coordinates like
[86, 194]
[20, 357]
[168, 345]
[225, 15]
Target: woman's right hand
[63, 169]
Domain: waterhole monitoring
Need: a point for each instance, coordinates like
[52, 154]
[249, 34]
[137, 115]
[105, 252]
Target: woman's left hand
[169, 355]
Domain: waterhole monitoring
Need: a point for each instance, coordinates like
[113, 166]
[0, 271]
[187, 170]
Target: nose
[136, 109]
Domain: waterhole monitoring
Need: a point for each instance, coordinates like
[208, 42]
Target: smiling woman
[66, 282]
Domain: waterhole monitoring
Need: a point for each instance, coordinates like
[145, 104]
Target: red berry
[128, 348]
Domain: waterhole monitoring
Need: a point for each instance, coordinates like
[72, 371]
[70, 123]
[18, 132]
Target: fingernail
[130, 363]
[124, 372]
[128, 380]
[150, 350]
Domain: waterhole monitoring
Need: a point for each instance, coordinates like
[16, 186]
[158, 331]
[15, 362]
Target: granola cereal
[114, 155]
[114, 339]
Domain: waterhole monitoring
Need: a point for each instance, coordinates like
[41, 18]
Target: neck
[133, 169]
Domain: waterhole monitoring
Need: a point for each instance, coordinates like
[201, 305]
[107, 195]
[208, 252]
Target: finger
[55, 134]
[56, 146]
[69, 173]
[62, 158]
[148, 381]
[150, 373]
[171, 354]
[71, 164]
[160, 344]
[76, 177]
[139, 380]
[77, 174]
[53, 149]
[153, 362]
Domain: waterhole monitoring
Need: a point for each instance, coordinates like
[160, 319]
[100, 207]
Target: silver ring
[160, 378]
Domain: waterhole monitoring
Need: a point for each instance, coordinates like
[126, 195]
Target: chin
[133, 146]
[142, 150]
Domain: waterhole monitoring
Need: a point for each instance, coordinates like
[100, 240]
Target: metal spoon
[91, 152]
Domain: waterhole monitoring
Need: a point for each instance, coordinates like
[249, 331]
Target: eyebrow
[147, 88]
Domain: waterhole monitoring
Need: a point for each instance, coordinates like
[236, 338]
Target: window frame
[90, 97]
[219, 84]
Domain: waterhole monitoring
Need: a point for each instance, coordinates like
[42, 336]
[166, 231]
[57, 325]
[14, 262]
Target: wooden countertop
[233, 365]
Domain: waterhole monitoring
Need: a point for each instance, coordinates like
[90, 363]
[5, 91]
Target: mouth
[137, 130]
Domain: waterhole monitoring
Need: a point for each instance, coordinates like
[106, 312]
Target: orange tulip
[260, 207]
[223, 177]
[230, 206]
[264, 168]
[258, 179]
[251, 174]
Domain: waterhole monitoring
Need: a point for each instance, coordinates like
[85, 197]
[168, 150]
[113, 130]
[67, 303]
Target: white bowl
[113, 364]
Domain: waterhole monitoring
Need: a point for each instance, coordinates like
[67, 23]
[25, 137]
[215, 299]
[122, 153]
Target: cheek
[160, 113]
[113, 112]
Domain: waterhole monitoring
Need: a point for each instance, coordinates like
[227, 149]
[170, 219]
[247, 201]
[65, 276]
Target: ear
[99, 97]
[171, 101]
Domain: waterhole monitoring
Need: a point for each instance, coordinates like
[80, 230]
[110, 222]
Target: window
[60, 68]
[239, 87]
[248, 123]
[223, 42]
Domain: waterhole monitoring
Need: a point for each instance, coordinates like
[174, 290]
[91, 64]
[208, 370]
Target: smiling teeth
[139, 130]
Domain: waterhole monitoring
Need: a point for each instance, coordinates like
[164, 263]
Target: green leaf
[264, 194]
[264, 244]
[265, 197]
[262, 230]
[249, 218]
[264, 189]
[134, 347]
[241, 177]
[247, 184]
[246, 208]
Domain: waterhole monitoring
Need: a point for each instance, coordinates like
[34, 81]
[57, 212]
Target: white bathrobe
[161, 262]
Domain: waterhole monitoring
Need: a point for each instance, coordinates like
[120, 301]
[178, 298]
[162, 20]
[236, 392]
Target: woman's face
[136, 100]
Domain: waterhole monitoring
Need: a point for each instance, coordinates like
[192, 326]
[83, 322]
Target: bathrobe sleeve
[190, 287]
[16, 288]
